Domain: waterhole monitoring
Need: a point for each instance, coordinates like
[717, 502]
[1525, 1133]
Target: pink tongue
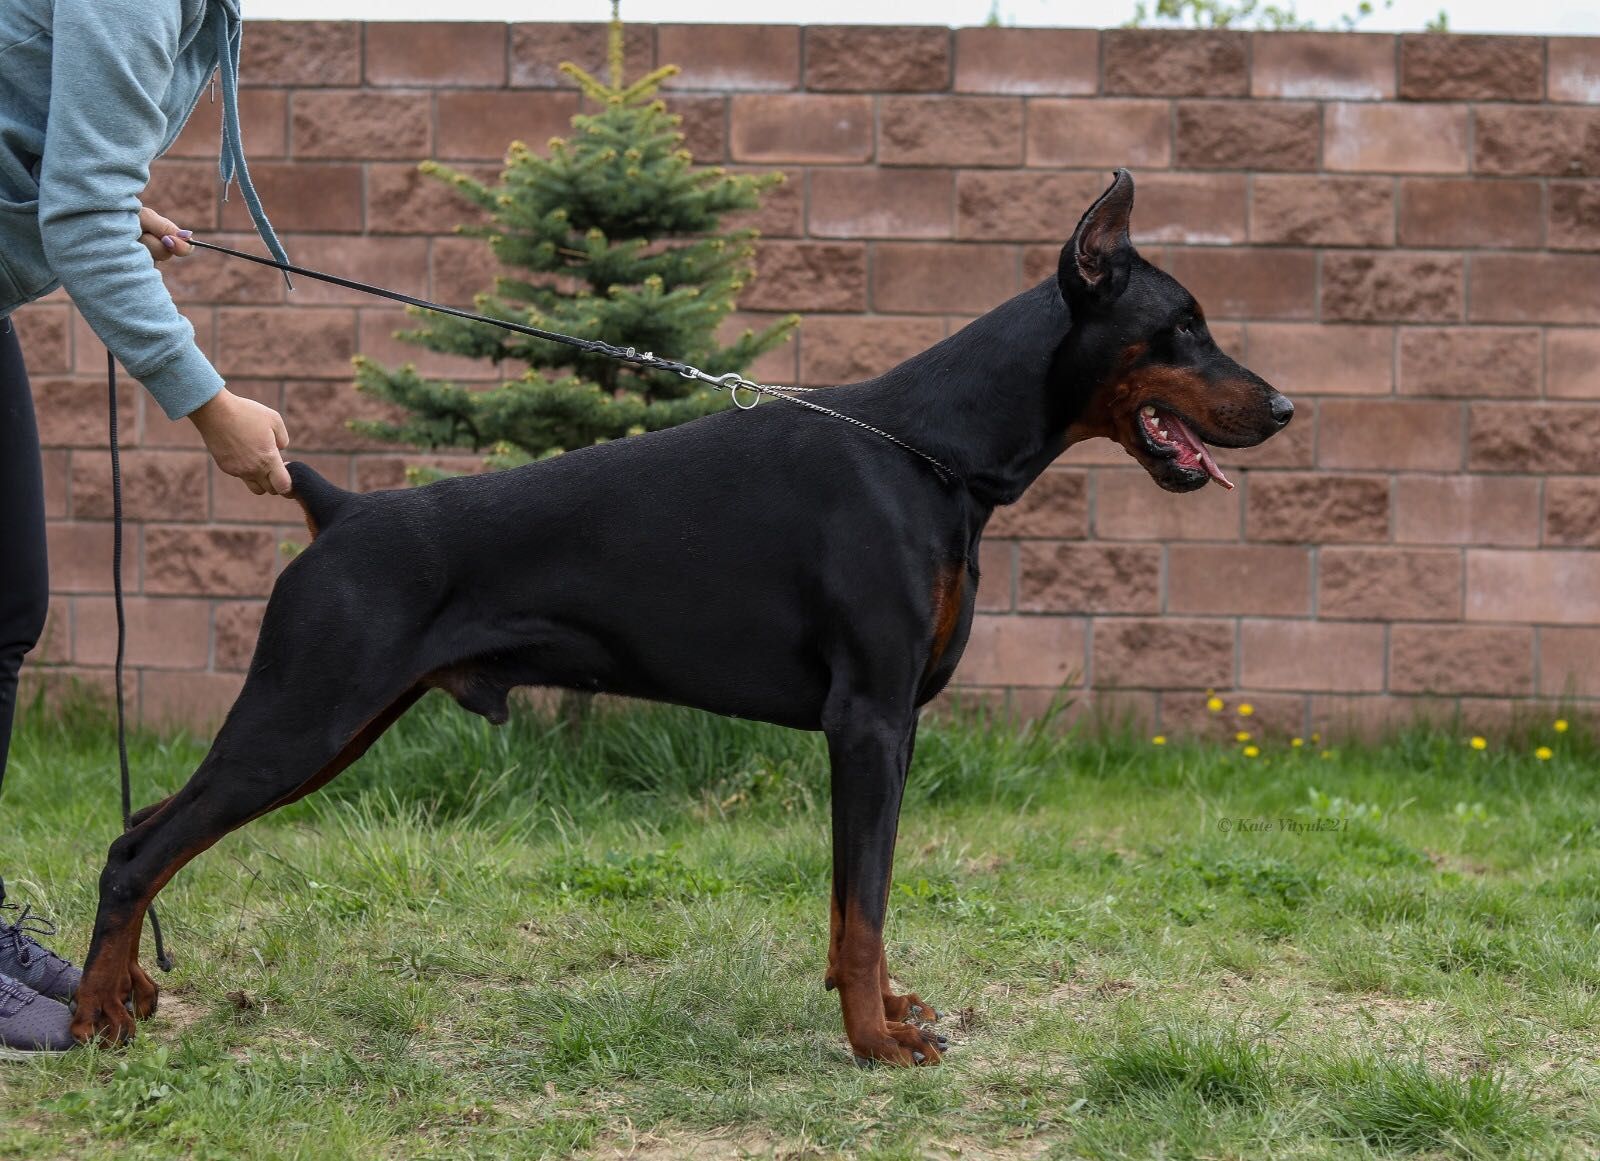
[1210, 465]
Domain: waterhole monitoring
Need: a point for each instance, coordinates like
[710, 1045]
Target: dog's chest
[955, 593]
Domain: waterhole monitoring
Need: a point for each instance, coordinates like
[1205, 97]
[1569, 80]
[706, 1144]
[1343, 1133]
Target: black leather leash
[732, 382]
[163, 960]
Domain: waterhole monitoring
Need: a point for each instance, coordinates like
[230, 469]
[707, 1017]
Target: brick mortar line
[1538, 661]
[1088, 653]
[1236, 662]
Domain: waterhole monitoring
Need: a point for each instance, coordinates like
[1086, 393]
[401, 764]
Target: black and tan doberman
[775, 564]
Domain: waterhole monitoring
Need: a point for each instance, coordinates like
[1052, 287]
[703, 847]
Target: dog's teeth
[1162, 432]
[1147, 410]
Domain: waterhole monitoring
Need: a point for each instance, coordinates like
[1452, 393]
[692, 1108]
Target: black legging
[24, 572]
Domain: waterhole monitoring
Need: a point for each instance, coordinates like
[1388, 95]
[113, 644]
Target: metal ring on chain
[732, 382]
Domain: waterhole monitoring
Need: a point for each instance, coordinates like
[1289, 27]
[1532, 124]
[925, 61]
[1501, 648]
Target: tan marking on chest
[949, 586]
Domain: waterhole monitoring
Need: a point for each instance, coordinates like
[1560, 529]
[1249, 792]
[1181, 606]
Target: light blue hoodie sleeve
[105, 127]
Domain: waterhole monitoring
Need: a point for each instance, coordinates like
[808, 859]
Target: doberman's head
[1148, 372]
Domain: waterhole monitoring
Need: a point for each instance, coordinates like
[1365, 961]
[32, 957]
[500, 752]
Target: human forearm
[96, 162]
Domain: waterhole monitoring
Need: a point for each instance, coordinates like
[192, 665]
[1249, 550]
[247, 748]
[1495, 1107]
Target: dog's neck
[996, 401]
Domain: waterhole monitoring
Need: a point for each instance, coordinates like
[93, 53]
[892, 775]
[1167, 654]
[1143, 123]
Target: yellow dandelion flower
[1544, 753]
[1159, 740]
[1252, 751]
[1214, 704]
[1561, 725]
[1242, 736]
[1327, 753]
[1246, 709]
[1297, 742]
[1479, 743]
[1315, 738]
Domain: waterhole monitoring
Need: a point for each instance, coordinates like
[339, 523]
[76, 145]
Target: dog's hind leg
[144, 992]
[287, 735]
[145, 812]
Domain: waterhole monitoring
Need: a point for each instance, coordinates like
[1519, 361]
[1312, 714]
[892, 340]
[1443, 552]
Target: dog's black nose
[1282, 409]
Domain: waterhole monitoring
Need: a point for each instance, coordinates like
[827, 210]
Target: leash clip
[733, 381]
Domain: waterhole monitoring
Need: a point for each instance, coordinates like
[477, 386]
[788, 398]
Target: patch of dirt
[287, 1040]
[1108, 840]
[1462, 866]
[176, 1011]
[963, 1148]
[1345, 1022]
[687, 1144]
[32, 1121]
[1282, 1011]
[1076, 990]
[985, 864]
[671, 1144]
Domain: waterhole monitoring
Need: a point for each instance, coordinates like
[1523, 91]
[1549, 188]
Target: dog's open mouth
[1167, 436]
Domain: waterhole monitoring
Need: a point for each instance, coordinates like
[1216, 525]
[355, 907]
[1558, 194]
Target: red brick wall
[1399, 232]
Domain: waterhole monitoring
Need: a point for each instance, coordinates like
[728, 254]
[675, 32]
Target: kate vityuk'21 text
[1229, 825]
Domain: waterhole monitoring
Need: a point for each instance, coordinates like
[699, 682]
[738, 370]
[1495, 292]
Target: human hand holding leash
[246, 439]
[162, 237]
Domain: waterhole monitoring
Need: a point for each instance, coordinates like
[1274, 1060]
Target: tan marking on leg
[835, 935]
[142, 989]
[907, 1006]
[870, 1033]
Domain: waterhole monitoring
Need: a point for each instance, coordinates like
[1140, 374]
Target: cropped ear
[1096, 260]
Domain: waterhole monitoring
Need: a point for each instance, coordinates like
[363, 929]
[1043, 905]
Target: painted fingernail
[169, 241]
[185, 233]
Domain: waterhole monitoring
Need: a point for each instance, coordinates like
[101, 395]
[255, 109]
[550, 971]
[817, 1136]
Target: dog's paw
[908, 1007]
[904, 1045]
[144, 995]
[108, 1023]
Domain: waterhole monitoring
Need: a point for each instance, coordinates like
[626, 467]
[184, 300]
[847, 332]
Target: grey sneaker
[29, 962]
[30, 1023]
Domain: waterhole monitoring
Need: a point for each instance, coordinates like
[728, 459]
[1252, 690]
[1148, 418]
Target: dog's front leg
[895, 1006]
[869, 754]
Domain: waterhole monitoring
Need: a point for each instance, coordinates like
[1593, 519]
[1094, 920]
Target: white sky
[1530, 16]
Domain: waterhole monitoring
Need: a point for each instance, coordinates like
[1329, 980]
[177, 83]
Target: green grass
[530, 943]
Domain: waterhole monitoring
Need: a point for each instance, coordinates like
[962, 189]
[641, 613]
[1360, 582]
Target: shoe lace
[17, 991]
[21, 932]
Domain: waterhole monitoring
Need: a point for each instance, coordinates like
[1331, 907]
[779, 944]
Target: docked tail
[323, 503]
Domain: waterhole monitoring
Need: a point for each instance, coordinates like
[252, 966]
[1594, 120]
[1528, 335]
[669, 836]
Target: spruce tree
[612, 235]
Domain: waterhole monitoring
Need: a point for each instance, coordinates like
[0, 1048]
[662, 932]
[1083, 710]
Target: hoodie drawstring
[232, 164]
